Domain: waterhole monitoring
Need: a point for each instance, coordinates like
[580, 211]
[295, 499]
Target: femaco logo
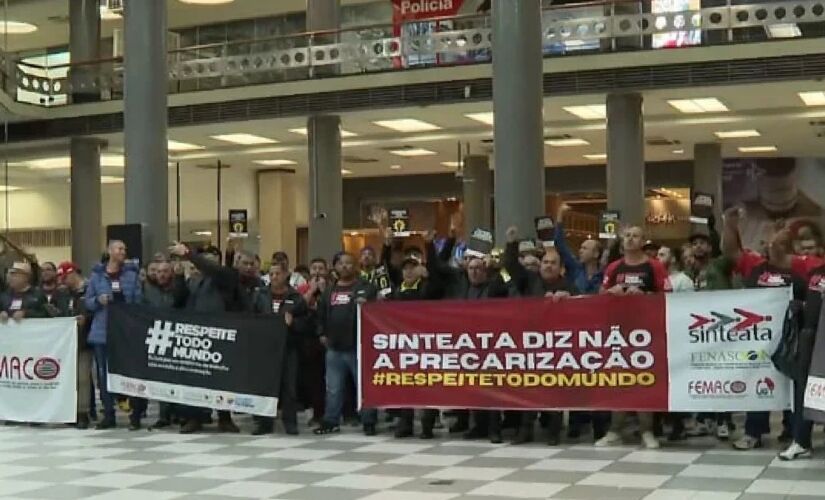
[742, 326]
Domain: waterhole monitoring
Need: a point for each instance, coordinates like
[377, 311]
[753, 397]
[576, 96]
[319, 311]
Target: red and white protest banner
[708, 351]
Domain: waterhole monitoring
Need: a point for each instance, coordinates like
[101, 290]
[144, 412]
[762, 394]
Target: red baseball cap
[66, 268]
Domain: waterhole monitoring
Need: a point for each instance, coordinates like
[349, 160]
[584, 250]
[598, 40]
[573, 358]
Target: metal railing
[567, 30]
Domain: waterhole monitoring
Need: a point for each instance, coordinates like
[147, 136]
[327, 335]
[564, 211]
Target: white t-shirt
[680, 282]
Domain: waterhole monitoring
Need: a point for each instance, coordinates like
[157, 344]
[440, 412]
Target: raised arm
[731, 240]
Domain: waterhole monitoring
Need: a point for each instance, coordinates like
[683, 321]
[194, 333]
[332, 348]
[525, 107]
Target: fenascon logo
[744, 326]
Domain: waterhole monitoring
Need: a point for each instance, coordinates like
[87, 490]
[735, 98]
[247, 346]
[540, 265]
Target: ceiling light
[110, 179]
[599, 156]
[395, 167]
[588, 112]
[66, 162]
[274, 163]
[566, 143]
[407, 125]
[7, 189]
[757, 149]
[107, 14]
[485, 118]
[699, 105]
[346, 172]
[737, 134]
[244, 139]
[678, 151]
[202, 233]
[783, 30]
[412, 152]
[182, 146]
[451, 164]
[303, 131]
[813, 98]
[206, 2]
[16, 28]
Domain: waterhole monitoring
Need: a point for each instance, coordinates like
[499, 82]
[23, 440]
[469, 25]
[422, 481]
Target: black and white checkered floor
[64, 463]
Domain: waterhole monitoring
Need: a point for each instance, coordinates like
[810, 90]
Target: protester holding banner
[338, 330]
[214, 288]
[780, 269]
[633, 274]
[551, 283]
[414, 286]
[283, 301]
[21, 299]
[468, 283]
[113, 281]
[802, 447]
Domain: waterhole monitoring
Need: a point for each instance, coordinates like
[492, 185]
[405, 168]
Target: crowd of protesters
[319, 304]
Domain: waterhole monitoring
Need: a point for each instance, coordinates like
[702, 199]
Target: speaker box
[131, 235]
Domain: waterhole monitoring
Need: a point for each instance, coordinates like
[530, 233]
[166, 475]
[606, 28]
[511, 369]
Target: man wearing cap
[71, 302]
[21, 300]
[414, 286]
[115, 280]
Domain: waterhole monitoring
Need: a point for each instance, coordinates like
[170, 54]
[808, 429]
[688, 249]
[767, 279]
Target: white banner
[38, 370]
[719, 349]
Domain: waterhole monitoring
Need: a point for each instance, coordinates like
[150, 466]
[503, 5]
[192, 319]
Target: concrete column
[84, 45]
[478, 192]
[276, 213]
[517, 103]
[145, 119]
[86, 217]
[326, 221]
[707, 173]
[626, 157]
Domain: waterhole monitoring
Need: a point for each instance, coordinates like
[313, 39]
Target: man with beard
[71, 303]
[548, 282]
[337, 329]
[284, 302]
[51, 291]
[216, 289]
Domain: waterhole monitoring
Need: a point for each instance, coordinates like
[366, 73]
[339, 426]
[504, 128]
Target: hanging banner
[639, 353]
[38, 371]
[220, 361]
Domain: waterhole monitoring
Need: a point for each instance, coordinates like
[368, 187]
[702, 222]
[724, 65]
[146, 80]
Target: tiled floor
[63, 463]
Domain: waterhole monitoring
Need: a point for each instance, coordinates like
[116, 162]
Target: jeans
[339, 364]
[102, 365]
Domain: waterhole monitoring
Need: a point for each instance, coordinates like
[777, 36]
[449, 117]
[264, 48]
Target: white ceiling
[774, 109]
[52, 17]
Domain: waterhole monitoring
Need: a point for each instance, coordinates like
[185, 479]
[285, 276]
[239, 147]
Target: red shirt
[758, 272]
[800, 265]
[649, 276]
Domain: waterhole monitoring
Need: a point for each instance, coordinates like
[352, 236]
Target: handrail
[383, 47]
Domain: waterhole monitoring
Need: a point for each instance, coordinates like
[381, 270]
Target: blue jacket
[100, 284]
[576, 272]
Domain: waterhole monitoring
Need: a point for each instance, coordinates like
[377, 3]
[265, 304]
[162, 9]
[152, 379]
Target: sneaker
[291, 428]
[261, 429]
[700, 429]
[723, 432]
[609, 439]
[650, 441]
[747, 443]
[795, 451]
[496, 438]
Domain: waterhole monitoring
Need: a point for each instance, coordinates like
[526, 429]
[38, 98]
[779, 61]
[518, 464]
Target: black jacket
[338, 322]
[264, 302]
[217, 289]
[32, 303]
[450, 283]
[530, 283]
[168, 298]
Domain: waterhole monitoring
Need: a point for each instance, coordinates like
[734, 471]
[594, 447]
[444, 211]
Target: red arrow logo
[749, 319]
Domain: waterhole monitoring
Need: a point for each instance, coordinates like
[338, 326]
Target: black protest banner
[220, 361]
